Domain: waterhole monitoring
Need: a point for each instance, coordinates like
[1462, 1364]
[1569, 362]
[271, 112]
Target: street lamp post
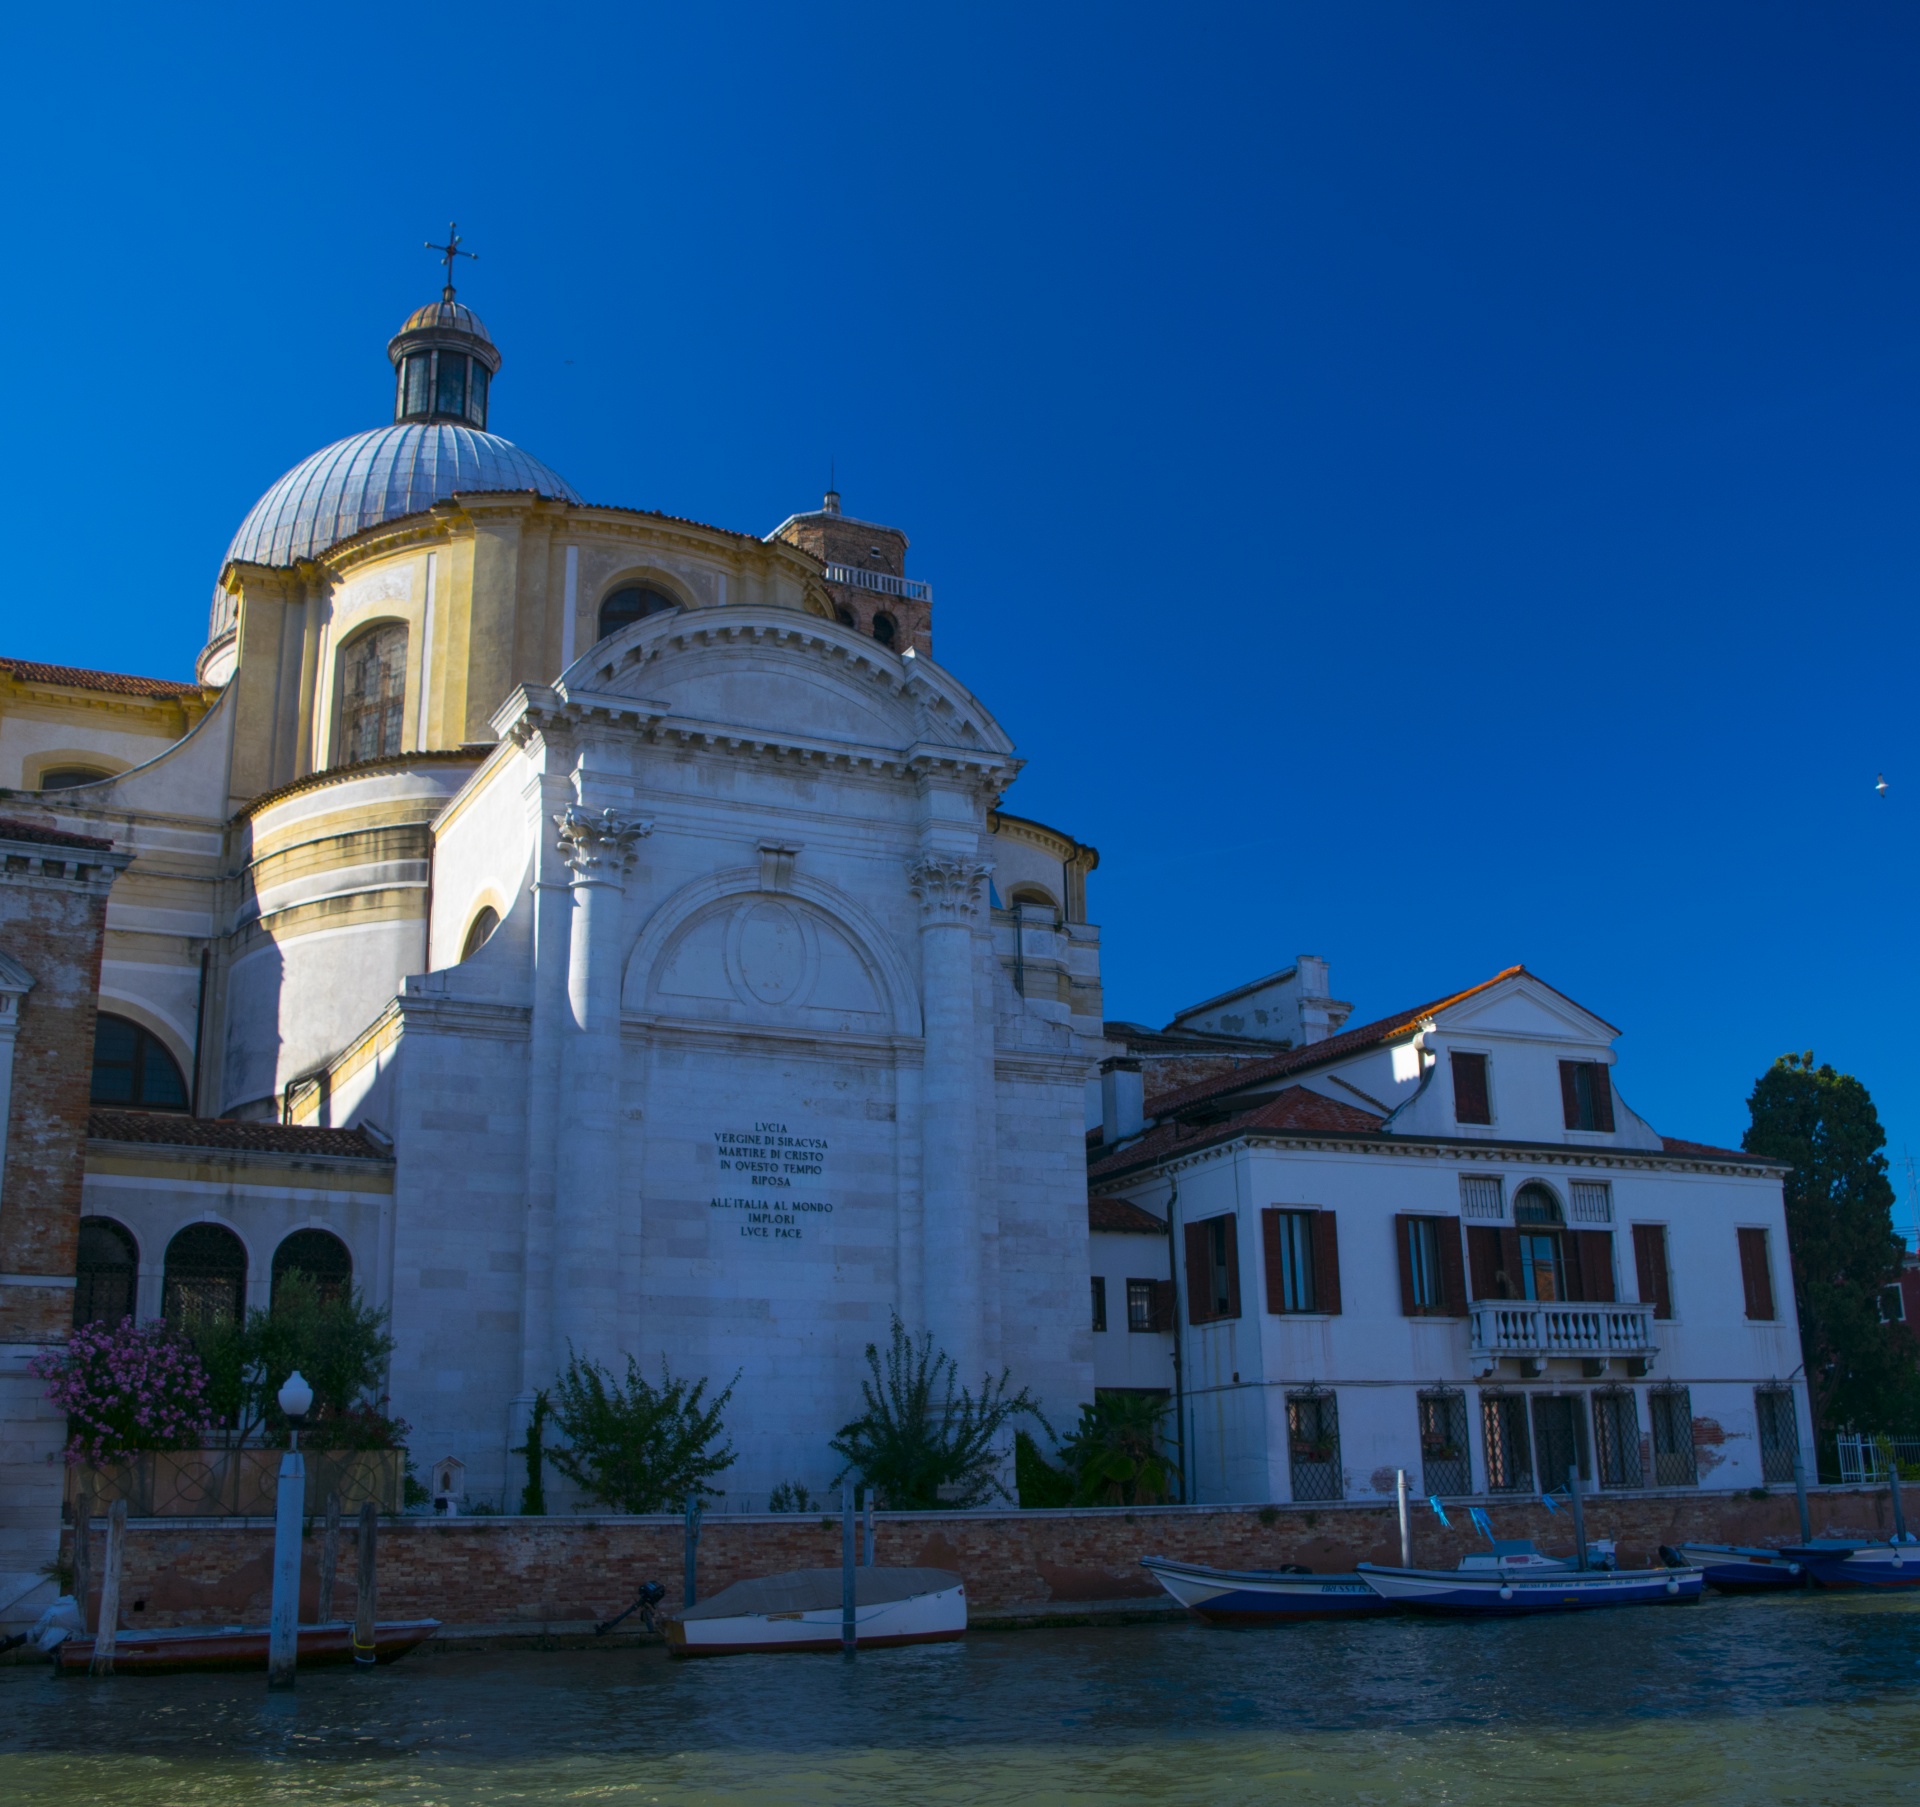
[283, 1634]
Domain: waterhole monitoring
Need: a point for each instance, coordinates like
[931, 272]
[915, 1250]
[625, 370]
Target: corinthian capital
[948, 887]
[599, 843]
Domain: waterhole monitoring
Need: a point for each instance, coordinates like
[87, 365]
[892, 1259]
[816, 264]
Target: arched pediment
[727, 950]
[767, 671]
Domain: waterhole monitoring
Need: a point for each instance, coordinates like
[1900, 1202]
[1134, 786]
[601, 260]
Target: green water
[1805, 1698]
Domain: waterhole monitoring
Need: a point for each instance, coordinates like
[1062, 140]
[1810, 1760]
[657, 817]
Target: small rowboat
[1263, 1596]
[1843, 1562]
[1737, 1568]
[1514, 1577]
[238, 1647]
[801, 1610]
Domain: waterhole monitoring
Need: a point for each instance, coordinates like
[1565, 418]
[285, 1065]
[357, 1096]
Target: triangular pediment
[1526, 1007]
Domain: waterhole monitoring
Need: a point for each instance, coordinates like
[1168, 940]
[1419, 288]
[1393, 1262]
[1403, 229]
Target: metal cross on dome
[449, 251]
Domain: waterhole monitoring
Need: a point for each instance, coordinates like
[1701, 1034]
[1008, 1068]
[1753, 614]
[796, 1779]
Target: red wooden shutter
[1602, 1097]
[1596, 1265]
[1511, 1284]
[1232, 1228]
[1270, 1249]
[1403, 1241]
[1754, 1275]
[1570, 1092]
[1470, 1103]
[1484, 1260]
[1163, 1305]
[1326, 1263]
[1650, 1266]
[1453, 1279]
[1199, 1275]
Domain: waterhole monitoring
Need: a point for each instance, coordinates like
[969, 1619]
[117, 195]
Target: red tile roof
[1296, 1109]
[176, 1131]
[1707, 1151]
[76, 677]
[1117, 1214]
[1335, 1047]
[11, 830]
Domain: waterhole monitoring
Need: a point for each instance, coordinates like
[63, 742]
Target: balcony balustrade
[1529, 1331]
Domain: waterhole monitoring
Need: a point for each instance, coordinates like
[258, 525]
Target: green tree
[1860, 1371]
[922, 1433]
[533, 1496]
[1037, 1482]
[341, 1348]
[1117, 1453]
[637, 1448]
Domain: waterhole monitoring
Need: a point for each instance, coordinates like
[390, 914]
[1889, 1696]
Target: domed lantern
[443, 363]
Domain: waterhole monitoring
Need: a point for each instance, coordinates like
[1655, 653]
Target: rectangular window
[1616, 1437]
[1671, 1409]
[1756, 1274]
[417, 370]
[1558, 1441]
[477, 398]
[1482, 1196]
[1503, 1427]
[1140, 1306]
[1288, 1236]
[1433, 1280]
[1445, 1465]
[1586, 1094]
[1592, 1201]
[1541, 1274]
[1471, 1103]
[1779, 1425]
[451, 397]
[1099, 1302]
[1313, 1446]
[1650, 1267]
[1213, 1270]
[1893, 1304]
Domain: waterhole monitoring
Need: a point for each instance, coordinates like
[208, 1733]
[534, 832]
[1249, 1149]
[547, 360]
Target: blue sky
[1428, 485]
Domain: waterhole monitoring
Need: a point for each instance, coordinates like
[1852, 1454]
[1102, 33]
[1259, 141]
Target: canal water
[1811, 1698]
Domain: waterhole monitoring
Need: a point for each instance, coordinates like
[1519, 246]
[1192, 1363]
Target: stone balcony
[1529, 1334]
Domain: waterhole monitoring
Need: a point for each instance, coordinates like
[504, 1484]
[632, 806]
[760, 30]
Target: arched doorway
[106, 1273]
[322, 1257]
[206, 1277]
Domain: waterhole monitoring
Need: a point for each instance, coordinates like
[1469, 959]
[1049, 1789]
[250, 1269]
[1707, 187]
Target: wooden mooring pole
[107, 1633]
[1406, 1524]
[846, 1569]
[1800, 1493]
[363, 1641]
[1579, 1516]
[329, 1558]
[83, 1548]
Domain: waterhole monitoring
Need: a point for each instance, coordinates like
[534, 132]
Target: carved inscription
[773, 1177]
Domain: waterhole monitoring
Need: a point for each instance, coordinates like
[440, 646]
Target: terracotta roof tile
[1707, 1151]
[12, 830]
[76, 677]
[175, 1131]
[1296, 1109]
[1117, 1214]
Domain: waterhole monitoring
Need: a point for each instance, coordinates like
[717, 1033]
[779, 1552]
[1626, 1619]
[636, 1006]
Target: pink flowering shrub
[124, 1387]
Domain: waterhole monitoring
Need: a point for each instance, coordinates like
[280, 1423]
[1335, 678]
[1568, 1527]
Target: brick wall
[500, 1573]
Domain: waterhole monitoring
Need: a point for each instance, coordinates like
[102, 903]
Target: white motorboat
[802, 1610]
[1514, 1577]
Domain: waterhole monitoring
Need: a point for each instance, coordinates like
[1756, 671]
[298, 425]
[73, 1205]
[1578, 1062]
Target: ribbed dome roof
[380, 476]
[454, 314]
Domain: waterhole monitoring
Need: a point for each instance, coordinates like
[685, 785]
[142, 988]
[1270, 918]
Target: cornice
[474, 753]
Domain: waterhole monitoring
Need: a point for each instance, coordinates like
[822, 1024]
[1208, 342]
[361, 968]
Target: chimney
[1122, 1101]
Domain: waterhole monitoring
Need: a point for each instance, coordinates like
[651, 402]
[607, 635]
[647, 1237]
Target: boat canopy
[818, 1590]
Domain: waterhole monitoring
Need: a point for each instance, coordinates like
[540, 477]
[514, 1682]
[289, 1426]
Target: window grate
[1313, 1446]
[1592, 1201]
[1509, 1451]
[1616, 1435]
[1482, 1197]
[1671, 1409]
[1446, 1464]
[1779, 1426]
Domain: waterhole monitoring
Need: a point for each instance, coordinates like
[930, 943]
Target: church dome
[455, 315]
[380, 476]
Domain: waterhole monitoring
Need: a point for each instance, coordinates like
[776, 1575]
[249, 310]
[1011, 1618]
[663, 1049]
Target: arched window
[1537, 1219]
[844, 615]
[885, 629]
[206, 1277]
[631, 604]
[65, 777]
[1031, 894]
[1535, 1204]
[481, 932]
[373, 686]
[131, 1066]
[322, 1257]
[105, 1273]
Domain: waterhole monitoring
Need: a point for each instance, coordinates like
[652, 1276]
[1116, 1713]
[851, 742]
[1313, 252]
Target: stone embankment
[534, 1577]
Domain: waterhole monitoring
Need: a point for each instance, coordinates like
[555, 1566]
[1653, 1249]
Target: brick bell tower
[866, 575]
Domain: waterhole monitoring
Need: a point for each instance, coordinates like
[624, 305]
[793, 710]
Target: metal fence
[1864, 1459]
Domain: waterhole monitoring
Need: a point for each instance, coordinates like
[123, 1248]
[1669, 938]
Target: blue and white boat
[1514, 1577]
[1263, 1596]
[1738, 1568]
[1851, 1562]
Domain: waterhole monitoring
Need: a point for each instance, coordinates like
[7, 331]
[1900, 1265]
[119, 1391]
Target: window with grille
[1779, 1426]
[373, 681]
[319, 1255]
[1471, 1103]
[1143, 1306]
[105, 1273]
[1558, 1443]
[1616, 1437]
[1509, 1451]
[1671, 1409]
[206, 1277]
[131, 1065]
[1099, 1302]
[1446, 1464]
[1592, 1201]
[1482, 1196]
[1313, 1446]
